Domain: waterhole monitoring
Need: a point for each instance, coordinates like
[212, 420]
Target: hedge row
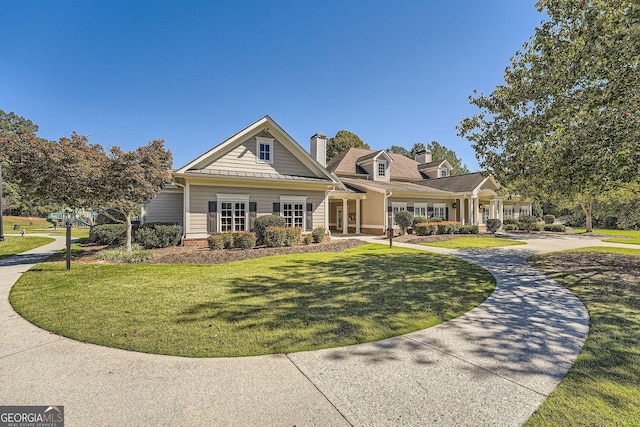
[273, 237]
[149, 235]
[429, 229]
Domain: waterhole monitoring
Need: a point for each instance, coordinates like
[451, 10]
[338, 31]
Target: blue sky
[195, 72]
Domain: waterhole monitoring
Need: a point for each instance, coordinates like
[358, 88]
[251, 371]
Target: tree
[13, 124]
[343, 140]
[440, 152]
[396, 149]
[134, 177]
[565, 123]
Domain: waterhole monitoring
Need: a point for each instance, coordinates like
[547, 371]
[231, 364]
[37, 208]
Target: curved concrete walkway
[492, 366]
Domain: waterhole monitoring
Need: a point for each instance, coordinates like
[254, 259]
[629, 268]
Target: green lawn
[474, 243]
[627, 236]
[603, 386]
[270, 305]
[15, 245]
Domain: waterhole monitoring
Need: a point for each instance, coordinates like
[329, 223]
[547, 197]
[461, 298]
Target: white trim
[294, 200]
[226, 197]
[232, 198]
[424, 206]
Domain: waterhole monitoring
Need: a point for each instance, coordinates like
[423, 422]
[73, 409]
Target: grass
[39, 226]
[275, 304]
[627, 236]
[602, 388]
[15, 245]
[474, 243]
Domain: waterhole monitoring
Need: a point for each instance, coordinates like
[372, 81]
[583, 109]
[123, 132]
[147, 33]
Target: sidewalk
[492, 366]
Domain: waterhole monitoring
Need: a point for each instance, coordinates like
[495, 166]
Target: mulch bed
[198, 255]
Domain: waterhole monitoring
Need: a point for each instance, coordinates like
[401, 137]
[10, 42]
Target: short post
[69, 245]
[390, 234]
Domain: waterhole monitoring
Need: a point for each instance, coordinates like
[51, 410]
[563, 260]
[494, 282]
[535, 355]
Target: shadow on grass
[349, 299]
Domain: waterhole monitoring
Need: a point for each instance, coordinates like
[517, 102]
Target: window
[264, 150]
[444, 172]
[382, 168]
[294, 214]
[525, 210]
[440, 210]
[508, 212]
[420, 209]
[293, 210]
[233, 216]
[395, 208]
[233, 212]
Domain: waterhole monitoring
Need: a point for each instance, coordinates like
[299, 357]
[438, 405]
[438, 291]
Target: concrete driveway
[492, 366]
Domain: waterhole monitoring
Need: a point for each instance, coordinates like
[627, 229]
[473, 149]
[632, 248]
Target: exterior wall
[243, 157]
[201, 222]
[373, 212]
[430, 203]
[165, 207]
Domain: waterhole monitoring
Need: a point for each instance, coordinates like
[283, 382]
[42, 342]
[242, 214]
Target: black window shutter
[410, 208]
[309, 207]
[213, 206]
[276, 208]
[253, 206]
[389, 208]
[446, 213]
[430, 210]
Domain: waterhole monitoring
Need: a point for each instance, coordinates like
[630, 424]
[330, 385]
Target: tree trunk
[128, 241]
[586, 208]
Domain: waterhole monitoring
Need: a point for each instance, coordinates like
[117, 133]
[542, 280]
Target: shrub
[556, 228]
[536, 227]
[423, 229]
[318, 234]
[134, 256]
[436, 219]
[510, 227]
[527, 223]
[549, 219]
[262, 222]
[109, 216]
[446, 229]
[244, 240]
[404, 219]
[418, 219]
[468, 229]
[108, 234]
[493, 225]
[509, 221]
[307, 239]
[276, 237]
[159, 235]
[215, 241]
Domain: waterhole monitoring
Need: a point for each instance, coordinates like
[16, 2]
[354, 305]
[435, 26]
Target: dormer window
[264, 150]
[382, 167]
[444, 172]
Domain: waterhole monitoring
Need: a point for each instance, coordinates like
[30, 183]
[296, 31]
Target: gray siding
[165, 207]
[243, 157]
[202, 222]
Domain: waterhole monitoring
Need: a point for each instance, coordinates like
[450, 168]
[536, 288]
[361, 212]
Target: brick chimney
[319, 148]
[423, 156]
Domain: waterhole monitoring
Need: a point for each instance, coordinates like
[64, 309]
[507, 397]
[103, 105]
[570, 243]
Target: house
[262, 170]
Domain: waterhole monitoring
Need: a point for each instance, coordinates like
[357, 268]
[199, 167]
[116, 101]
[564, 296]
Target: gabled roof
[321, 174]
[466, 183]
[434, 164]
[346, 164]
[373, 156]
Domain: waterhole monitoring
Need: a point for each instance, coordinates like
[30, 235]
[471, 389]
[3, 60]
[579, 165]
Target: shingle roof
[431, 164]
[402, 168]
[455, 183]
[398, 186]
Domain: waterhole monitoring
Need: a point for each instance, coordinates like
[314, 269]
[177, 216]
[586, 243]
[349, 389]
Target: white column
[187, 209]
[357, 216]
[476, 211]
[345, 217]
[492, 210]
[463, 219]
[501, 210]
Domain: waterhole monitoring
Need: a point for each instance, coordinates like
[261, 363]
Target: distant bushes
[493, 225]
[441, 227]
[556, 228]
[549, 219]
[273, 237]
[318, 234]
[276, 237]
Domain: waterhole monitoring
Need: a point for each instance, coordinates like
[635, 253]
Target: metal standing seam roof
[258, 175]
[406, 187]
